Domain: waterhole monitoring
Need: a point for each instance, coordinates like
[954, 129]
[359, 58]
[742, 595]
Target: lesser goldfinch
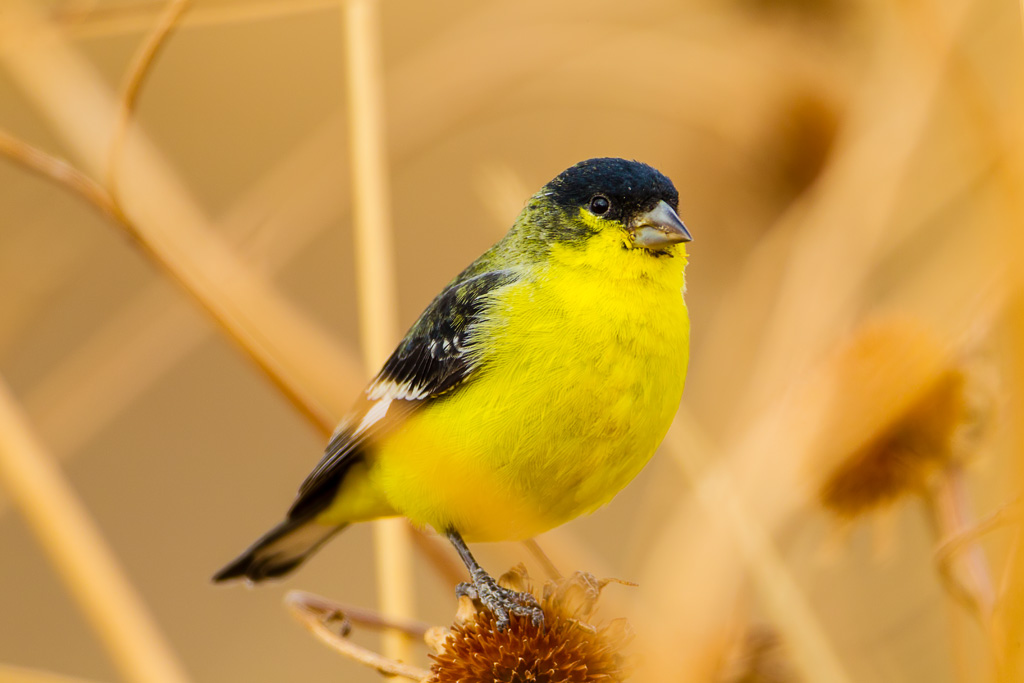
[531, 390]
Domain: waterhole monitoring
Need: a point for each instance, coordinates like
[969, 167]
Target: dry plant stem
[925, 21]
[805, 318]
[1012, 558]
[112, 19]
[776, 471]
[782, 427]
[538, 554]
[167, 223]
[80, 554]
[973, 588]
[789, 608]
[371, 201]
[315, 619]
[60, 172]
[375, 276]
[440, 556]
[17, 674]
[56, 70]
[1009, 626]
[945, 559]
[64, 174]
[968, 580]
[359, 616]
[133, 349]
[956, 544]
[130, 90]
[71, 178]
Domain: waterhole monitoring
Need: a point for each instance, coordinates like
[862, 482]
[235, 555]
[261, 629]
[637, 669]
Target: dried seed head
[759, 657]
[563, 649]
[436, 637]
[897, 372]
[903, 458]
[466, 611]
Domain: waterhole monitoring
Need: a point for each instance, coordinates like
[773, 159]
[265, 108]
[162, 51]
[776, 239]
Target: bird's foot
[501, 602]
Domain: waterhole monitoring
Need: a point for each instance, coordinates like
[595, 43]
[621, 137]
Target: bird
[531, 390]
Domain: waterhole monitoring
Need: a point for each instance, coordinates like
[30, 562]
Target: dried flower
[759, 657]
[904, 457]
[565, 648]
[895, 381]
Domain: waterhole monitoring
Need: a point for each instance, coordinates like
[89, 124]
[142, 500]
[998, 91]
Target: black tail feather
[279, 551]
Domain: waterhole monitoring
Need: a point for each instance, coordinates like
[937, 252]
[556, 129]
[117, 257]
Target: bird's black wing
[436, 356]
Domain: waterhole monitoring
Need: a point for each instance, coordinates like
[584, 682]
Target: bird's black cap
[631, 186]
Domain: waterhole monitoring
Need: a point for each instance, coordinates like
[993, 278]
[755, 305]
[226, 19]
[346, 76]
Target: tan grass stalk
[114, 19]
[18, 674]
[375, 277]
[998, 135]
[953, 518]
[439, 554]
[371, 201]
[291, 205]
[777, 469]
[1009, 618]
[351, 615]
[60, 172]
[831, 235]
[68, 402]
[957, 543]
[411, 80]
[787, 606]
[169, 226]
[542, 559]
[85, 187]
[80, 554]
[771, 442]
[160, 340]
[137, 73]
[1003, 137]
[322, 619]
[1009, 621]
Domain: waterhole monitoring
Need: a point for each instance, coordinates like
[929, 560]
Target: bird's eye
[599, 205]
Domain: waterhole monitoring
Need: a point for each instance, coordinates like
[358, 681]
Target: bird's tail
[280, 550]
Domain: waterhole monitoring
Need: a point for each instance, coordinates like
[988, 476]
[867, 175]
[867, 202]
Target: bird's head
[615, 197]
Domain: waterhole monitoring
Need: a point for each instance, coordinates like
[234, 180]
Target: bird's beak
[660, 227]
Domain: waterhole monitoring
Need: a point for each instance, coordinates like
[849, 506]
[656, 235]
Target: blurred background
[849, 170]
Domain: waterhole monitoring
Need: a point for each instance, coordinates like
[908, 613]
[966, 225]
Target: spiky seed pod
[562, 649]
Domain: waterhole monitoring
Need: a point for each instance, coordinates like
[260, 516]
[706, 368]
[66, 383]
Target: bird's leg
[500, 601]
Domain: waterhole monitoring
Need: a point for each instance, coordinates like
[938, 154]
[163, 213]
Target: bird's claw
[501, 602]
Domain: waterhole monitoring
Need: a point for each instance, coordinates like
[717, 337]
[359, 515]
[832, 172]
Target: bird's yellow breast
[582, 367]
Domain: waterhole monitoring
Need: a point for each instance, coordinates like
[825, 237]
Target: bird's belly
[568, 409]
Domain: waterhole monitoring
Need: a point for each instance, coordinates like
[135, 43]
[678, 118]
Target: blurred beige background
[184, 452]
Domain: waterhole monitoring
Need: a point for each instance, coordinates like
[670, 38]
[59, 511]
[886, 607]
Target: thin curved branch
[69, 177]
[317, 614]
[61, 172]
[141, 64]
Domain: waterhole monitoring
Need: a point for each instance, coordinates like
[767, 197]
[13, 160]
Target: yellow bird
[533, 388]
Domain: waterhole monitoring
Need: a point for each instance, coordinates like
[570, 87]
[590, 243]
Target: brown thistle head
[759, 657]
[900, 417]
[902, 458]
[565, 648]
